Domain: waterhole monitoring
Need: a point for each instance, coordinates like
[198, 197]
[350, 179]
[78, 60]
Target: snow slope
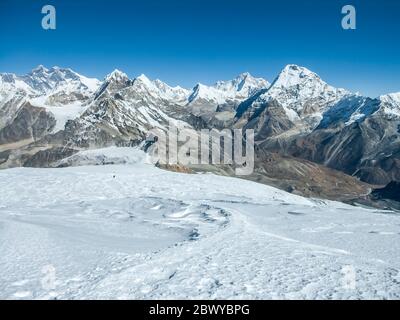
[135, 231]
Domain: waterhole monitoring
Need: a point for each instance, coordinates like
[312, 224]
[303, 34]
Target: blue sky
[185, 42]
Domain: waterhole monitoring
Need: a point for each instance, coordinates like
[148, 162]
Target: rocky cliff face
[367, 147]
[28, 123]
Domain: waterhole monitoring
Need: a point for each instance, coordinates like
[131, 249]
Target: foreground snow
[134, 231]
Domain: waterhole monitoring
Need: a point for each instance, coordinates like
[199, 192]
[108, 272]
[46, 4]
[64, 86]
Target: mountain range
[311, 138]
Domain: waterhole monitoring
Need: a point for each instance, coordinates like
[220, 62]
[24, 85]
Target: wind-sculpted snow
[135, 231]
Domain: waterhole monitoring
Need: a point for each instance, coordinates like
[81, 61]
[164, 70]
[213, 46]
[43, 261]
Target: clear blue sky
[188, 41]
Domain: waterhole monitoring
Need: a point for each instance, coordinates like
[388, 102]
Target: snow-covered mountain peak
[393, 98]
[176, 92]
[199, 87]
[143, 79]
[237, 89]
[54, 73]
[302, 94]
[46, 81]
[142, 84]
[165, 87]
[202, 92]
[43, 82]
[39, 69]
[117, 76]
[62, 92]
[293, 75]
[391, 103]
[237, 80]
[114, 81]
[244, 84]
[7, 77]
[295, 86]
[10, 84]
[159, 89]
[244, 75]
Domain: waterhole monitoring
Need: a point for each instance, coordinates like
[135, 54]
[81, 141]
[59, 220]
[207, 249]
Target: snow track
[134, 231]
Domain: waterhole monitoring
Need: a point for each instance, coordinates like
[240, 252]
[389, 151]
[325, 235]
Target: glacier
[129, 230]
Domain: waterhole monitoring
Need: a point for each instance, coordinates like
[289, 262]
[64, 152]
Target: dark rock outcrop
[29, 123]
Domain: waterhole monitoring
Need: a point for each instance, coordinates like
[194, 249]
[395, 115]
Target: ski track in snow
[135, 231]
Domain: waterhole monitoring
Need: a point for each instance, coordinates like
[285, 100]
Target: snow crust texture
[135, 231]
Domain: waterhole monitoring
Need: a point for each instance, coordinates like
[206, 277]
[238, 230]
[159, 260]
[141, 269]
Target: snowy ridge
[302, 93]
[127, 108]
[13, 94]
[161, 90]
[53, 80]
[175, 93]
[206, 93]
[392, 98]
[143, 86]
[304, 96]
[350, 109]
[240, 88]
[10, 82]
[355, 108]
[391, 104]
[43, 82]
[116, 76]
[62, 92]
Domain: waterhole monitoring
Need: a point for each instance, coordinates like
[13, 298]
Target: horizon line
[197, 83]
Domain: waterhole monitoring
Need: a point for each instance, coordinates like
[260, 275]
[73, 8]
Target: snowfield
[135, 231]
